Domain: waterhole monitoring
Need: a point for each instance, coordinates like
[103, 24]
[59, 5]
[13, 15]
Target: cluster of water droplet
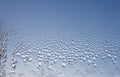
[3, 56]
[66, 52]
[52, 51]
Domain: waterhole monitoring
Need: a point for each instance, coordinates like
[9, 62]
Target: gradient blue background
[95, 19]
[95, 12]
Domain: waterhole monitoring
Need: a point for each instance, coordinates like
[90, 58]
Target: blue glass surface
[65, 38]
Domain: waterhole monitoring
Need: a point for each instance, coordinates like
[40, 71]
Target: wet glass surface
[69, 40]
[50, 53]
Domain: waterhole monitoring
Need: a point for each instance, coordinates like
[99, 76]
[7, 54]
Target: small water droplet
[18, 54]
[30, 59]
[13, 66]
[95, 65]
[12, 72]
[40, 64]
[63, 65]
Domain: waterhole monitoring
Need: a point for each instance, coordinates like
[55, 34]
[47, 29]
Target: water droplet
[14, 61]
[48, 54]
[30, 59]
[13, 66]
[95, 65]
[40, 64]
[89, 61]
[109, 55]
[23, 56]
[18, 54]
[63, 65]
[27, 56]
[12, 72]
[113, 60]
[24, 60]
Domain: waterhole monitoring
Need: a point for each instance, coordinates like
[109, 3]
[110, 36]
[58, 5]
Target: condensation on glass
[41, 54]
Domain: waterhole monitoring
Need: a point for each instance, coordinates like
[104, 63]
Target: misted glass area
[59, 38]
